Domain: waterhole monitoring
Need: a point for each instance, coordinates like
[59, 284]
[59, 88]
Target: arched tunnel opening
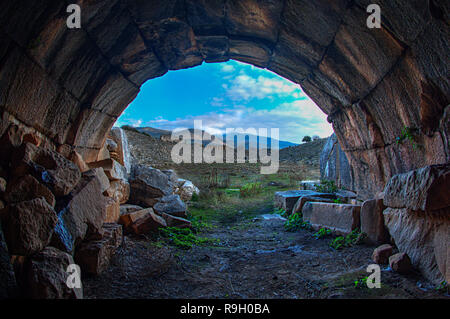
[65, 170]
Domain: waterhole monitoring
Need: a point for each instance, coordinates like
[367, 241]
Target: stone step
[340, 218]
[287, 200]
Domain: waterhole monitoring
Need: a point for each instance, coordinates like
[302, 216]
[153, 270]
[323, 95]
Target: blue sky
[226, 95]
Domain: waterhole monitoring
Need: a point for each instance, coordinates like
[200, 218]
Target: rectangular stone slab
[372, 221]
[286, 200]
[340, 218]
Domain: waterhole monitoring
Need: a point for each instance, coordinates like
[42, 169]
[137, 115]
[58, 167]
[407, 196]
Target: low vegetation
[295, 222]
[327, 186]
[408, 134]
[340, 242]
[361, 283]
[251, 189]
[322, 233]
[185, 238]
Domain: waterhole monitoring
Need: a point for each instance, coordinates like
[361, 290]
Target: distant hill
[308, 153]
[148, 148]
[158, 133]
[154, 132]
[270, 141]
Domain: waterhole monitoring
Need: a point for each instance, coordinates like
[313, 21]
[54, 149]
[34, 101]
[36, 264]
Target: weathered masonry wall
[70, 86]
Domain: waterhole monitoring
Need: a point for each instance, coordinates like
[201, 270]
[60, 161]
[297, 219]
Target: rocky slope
[308, 153]
[154, 151]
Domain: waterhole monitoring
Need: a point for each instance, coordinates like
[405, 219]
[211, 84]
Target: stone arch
[69, 86]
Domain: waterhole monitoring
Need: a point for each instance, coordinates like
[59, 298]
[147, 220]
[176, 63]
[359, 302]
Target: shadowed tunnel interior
[69, 86]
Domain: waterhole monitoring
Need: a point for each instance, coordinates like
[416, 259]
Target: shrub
[195, 197]
[361, 283]
[199, 225]
[251, 189]
[443, 287]
[224, 181]
[322, 233]
[307, 139]
[408, 133]
[281, 212]
[295, 222]
[184, 238]
[326, 186]
[351, 239]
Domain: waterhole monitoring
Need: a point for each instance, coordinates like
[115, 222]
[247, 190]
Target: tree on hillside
[316, 138]
[307, 139]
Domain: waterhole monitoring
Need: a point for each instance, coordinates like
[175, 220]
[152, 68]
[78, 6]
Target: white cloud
[295, 120]
[128, 121]
[245, 87]
[227, 68]
[217, 101]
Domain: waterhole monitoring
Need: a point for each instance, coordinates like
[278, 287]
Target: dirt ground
[255, 258]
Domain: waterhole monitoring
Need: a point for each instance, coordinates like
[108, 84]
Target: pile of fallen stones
[57, 210]
[411, 216]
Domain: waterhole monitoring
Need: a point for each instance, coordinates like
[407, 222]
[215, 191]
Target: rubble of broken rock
[57, 210]
[412, 213]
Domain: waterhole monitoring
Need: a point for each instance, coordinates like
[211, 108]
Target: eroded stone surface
[172, 205]
[27, 188]
[126, 209]
[62, 89]
[372, 221]
[425, 189]
[128, 218]
[8, 283]
[54, 170]
[371, 82]
[119, 190]
[29, 226]
[340, 218]
[150, 222]
[83, 213]
[424, 237]
[334, 165]
[287, 200]
[45, 276]
[147, 185]
[175, 221]
[382, 253]
[400, 263]
[304, 199]
[94, 256]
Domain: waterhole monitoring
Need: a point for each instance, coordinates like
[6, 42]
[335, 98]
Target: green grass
[322, 233]
[295, 222]
[251, 189]
[225, 207]
[351, 239]
[185, 238]
[326, 186]
[231, 195]
[361, 283]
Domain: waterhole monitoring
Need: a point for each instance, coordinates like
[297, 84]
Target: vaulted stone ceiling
[70, 86]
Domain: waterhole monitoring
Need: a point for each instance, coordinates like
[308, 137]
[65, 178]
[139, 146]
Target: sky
[226, 95]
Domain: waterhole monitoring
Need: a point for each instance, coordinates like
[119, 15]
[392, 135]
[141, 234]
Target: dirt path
[256, 259]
